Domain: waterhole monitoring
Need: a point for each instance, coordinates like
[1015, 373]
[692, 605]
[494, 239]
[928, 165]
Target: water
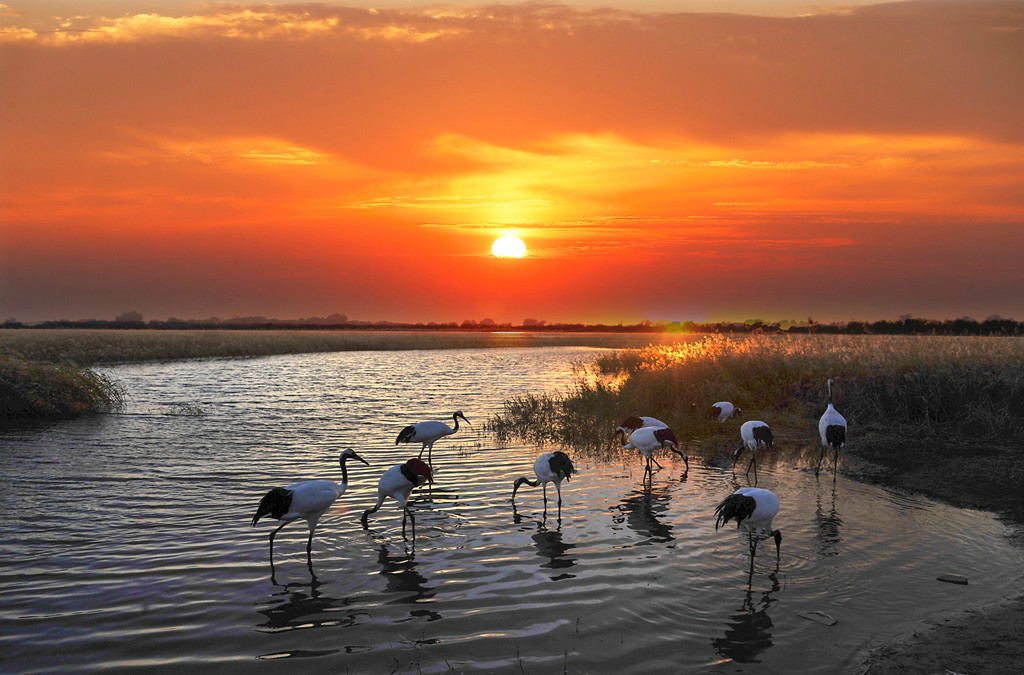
[126, 541]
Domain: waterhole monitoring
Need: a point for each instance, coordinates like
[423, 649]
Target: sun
[508, 246]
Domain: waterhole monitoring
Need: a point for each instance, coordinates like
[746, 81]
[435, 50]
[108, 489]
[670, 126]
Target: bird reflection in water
[642, 511]
[304, 606]
[550, 545]
[748, 632]
[829, 522]
[404, 579]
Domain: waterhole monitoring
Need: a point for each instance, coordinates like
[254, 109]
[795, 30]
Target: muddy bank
[985, 640]
[982, 475]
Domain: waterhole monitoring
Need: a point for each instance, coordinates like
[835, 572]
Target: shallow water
[126, 541]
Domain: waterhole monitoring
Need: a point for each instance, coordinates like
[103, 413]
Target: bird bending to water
[723, 410]
[832, 428]
[753, 509]
[398, 483]
[647, 440]
[429, 433]
[755, 434]
[551, 467]
[308, 499]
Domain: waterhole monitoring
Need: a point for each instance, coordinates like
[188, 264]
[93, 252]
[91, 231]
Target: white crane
[753, 510]
[723, 410]
[649, 439]
[832, 428]
[755, 434]
[429, 433]
[551, 467]
[308, 499]
[398, 483]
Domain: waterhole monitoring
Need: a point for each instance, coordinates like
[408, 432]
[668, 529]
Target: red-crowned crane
[429, 433]
[723, 410]
[633, 422]
[551, 467]
[398, 483]
[755, 434]
[647, 440]
[832, 428]
[753, 509]
[308, 499]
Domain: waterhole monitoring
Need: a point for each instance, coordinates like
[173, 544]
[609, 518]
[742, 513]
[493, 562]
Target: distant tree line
[905, 325]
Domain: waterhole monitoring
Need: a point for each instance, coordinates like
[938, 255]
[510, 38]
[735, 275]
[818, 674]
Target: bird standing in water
[308, 499]
[551, 467]
[429, 433]
[832, 429]
[755, 434]
[753, 510]
[398, 483]
[649, 439]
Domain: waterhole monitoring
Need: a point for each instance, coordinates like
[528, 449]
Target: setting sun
[508, 247]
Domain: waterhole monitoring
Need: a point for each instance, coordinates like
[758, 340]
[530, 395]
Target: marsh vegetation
[33, 389]
[921, 409]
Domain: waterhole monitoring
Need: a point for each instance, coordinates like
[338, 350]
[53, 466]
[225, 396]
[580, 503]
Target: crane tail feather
[275, 503]
[406, 435]
[738, 507]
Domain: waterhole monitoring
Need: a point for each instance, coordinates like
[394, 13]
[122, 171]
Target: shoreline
[974, 640]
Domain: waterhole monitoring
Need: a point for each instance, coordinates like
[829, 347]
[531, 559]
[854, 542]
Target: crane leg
[820, 457]
[752, 458]
[835, 464]
[755, 468]
[412, 519]
[656, 462]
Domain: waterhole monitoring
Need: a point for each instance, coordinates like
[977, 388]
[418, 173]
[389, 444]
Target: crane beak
[355, 456]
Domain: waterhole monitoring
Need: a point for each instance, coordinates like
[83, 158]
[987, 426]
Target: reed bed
[31, 389]
[913, 403]
[99, 346]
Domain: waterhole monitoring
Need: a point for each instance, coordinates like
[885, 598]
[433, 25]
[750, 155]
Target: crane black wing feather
[561, 465]
[276, 503]
[764, 435]
[835, 434]
[735, 506]
[406, 435]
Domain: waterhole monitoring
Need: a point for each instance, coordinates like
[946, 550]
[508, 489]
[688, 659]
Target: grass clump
[33, 389]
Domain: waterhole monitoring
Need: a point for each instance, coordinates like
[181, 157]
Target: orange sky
[290, 160]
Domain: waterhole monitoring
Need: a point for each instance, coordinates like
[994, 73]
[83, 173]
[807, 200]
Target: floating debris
[953, 579]
[820, 617]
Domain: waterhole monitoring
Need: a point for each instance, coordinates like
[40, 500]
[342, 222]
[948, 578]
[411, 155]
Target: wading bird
[723, 410]
[398, 483]
[832, 428]
[551, 467]
[308, 499]
[429, 433]
[754, 434]
[647, 440]
[753, 509]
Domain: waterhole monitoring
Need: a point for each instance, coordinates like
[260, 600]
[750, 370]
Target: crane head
[350, 453]
[458, 413]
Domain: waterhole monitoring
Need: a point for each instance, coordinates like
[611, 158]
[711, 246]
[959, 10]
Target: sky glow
[779, 161]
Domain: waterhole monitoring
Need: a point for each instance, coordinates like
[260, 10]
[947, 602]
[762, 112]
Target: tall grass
[32, 389]
[904, 384]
